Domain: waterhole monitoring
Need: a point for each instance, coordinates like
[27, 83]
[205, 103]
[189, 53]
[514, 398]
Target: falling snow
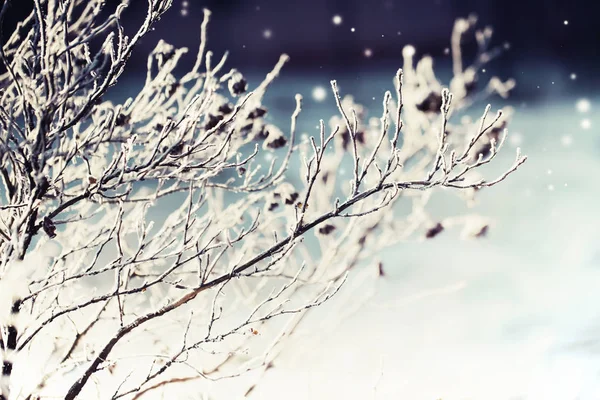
[319, 93]
[184, 10]
[586, 123]
[583, 105]
[566, 140]
[267, 34]
[337, 19]
[368, 53]
[515, 139]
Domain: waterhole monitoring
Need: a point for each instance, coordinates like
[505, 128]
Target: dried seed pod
[177, 150]
[213, 120]
[261, 134]
[431, 103]
[275, 138]
[257, 112]
[80, 62]
[360, 137]
[237, 84]
[122, 119]
[484, 149]
[327, 229]
[42, 184]
[226, 108]
[498, 127]
[287, 192]
[475, 228]
[482, 232]
[380, 269]
[434, 231]
[291, 198]
[49, 227]
[172, 88]
[246, 129]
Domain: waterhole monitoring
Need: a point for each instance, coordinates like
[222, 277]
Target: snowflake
[319, 93]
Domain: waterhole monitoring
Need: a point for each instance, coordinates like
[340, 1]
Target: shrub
[92, 288]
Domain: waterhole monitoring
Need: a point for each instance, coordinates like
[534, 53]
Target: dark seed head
[213, 120]
[262, 134]
[122, 119]
[433, 232]
[172, 88]
[49, 227]
[16, 307]
[238, 85]
[226, 109]
[257, 113]
[327, 229]
[291, 198]
[168, 54]
[483, 231]
[485, 149]
[277, 143]
[246, 129]
[177, 149]
[80, 62]
[380, 269]
[432, 103]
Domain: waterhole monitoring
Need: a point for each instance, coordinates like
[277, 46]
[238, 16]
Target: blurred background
[515, 315]
[549, 40]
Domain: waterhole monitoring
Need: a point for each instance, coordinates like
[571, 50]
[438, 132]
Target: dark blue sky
[304, 29]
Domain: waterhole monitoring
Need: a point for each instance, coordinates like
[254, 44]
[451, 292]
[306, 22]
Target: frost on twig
[112, 301]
